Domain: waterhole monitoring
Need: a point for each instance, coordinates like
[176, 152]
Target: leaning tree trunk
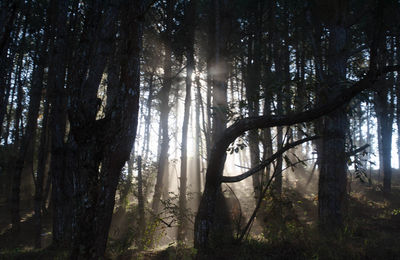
[207, 232]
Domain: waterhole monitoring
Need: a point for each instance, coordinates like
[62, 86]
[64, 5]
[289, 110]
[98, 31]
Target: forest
[199, 129]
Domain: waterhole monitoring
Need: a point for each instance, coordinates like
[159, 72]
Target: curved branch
[263, 164]
[341, 98]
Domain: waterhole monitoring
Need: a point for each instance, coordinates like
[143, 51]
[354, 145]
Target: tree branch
[356, 151]
[265, 163]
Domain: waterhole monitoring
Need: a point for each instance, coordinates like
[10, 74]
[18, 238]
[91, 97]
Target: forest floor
[371, 232]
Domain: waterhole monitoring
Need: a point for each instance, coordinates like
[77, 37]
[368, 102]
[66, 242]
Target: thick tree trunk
[61, 189]
[332, 178]
[333, 166]
[95, 186]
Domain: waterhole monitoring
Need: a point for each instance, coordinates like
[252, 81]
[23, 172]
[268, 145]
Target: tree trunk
[382, 107]
[96, 186]
[198, 150]
[61, 192]
[42, 161]
[146, 137]
[190, 12]
[142, 220]
[333, 167]
[163, 172]
[253, 77]
[16, 177]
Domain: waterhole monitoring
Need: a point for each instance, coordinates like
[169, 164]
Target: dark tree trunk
[146, 137]
[253, 89]
[42, 162]
[197, 141]
[16, 177]
[61, 189]
[8, 15]
[163, 172]
[397, 90]
[25, 153]
[207, 226]
[385, 115]
[190, 16]
[142, 220]
[333, 167]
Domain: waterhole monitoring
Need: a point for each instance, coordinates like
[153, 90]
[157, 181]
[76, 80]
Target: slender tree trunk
[42, 161]
[385, 134]
[253, 91]
[163, 172]
[142, 220]
[146, 137]
[190, 12]
[197, 151]
[16, 177]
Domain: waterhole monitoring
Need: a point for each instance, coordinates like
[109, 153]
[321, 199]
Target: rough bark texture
[331, 149]
[108, 141]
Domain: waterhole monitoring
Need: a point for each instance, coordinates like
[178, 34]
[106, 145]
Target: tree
[162, 173]
[190, 12]
[205, 230]
[333, 165]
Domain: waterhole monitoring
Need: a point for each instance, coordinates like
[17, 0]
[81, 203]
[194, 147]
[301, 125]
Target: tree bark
[190, 65]
[163, 172]
[333, 163]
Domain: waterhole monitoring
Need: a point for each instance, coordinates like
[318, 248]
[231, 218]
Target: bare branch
[265, 163]
[356, 151]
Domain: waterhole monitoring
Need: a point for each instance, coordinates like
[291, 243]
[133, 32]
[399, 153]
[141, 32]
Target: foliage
[129, 236]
